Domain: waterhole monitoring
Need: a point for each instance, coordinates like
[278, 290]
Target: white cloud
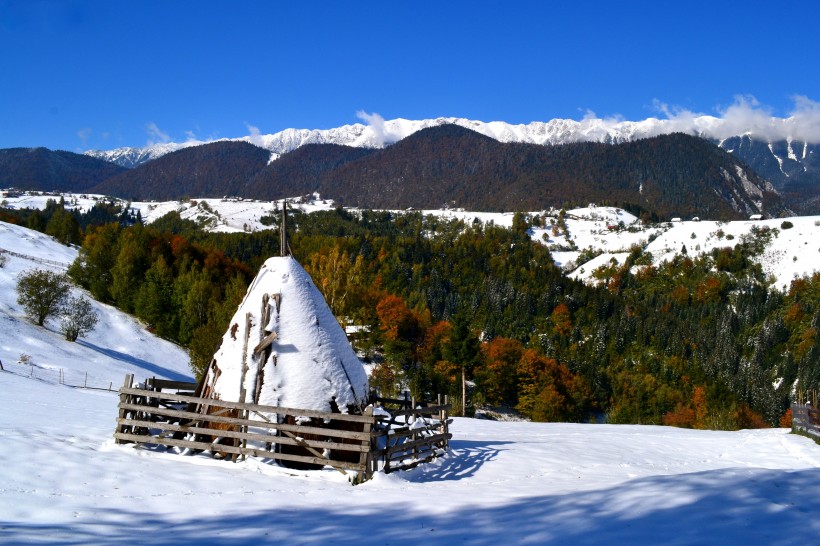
[254, 135]
[379, 133]
[155, 134]
[805, 118]
[84, 134]
[746, 116]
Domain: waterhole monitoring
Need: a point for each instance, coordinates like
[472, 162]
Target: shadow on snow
[149, 367]
[728, 506]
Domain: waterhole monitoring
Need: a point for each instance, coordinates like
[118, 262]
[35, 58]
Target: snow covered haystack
[285, 348]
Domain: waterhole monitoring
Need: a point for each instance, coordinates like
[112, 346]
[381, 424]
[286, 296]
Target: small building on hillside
[755, 217]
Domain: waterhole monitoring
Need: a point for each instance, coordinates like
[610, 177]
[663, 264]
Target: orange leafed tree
[561, 320]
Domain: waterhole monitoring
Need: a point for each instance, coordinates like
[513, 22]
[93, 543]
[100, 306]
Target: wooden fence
[806, 417]
[168, 414]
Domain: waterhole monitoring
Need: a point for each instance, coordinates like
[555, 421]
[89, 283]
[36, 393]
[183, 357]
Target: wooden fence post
[446, 426]
[364, 459]
[124, 399]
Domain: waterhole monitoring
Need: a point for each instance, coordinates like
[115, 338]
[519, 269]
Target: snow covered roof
[295, 353]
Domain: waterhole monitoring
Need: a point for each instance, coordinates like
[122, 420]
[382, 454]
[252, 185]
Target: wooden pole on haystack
[284, 250]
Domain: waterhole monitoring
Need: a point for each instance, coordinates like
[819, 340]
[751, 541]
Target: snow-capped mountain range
[379, 133]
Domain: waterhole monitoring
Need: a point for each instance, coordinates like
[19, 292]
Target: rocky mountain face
[792, 167]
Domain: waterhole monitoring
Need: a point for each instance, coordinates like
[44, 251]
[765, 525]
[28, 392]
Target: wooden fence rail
[149, 415]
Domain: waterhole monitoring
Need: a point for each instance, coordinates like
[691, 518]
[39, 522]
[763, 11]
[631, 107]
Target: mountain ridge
[556, 131]
[784, 154]
[450, 165]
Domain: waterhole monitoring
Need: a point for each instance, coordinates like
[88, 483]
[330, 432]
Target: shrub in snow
[786, 225]
[42, 293]
[79, 318]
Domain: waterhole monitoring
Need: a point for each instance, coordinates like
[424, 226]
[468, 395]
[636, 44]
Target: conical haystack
[285, 348]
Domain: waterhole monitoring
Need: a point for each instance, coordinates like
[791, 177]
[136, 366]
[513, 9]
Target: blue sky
[76, 75]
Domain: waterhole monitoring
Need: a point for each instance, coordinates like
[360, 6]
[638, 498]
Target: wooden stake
[283, 231]
[244, 358]
[463, 392]
[365, 457]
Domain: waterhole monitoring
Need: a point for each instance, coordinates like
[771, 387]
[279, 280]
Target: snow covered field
[64, 481]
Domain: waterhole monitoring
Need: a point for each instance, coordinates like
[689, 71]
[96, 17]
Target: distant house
[676, 219]
[756, 217]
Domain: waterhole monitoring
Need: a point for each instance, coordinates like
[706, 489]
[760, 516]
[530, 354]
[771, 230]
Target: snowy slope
[62, 480]
[118, 345]
[792, 253]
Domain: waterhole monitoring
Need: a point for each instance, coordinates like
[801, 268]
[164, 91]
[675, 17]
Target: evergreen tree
[78, 318]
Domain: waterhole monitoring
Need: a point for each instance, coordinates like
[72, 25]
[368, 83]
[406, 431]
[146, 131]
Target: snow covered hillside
[118, 345]
[222, 215]
[792, 252]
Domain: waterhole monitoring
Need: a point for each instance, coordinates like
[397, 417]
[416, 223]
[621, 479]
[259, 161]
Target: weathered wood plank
[428, 441]
[364, 459]
[214, 447]
[400, 432]
[124, 398]
[410, 464]
[196, 419]
[249, 436]
[265, 343]
[250, 407]
[160, 384]
[429, 410]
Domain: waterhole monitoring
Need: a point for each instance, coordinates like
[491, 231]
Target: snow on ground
[64, 481]
[228, 214]
[793, 252]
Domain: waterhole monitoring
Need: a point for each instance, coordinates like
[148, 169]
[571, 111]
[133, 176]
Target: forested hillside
[43, 169]
[698, 342]
[448, 165]
[671, 175]
[215, 169]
